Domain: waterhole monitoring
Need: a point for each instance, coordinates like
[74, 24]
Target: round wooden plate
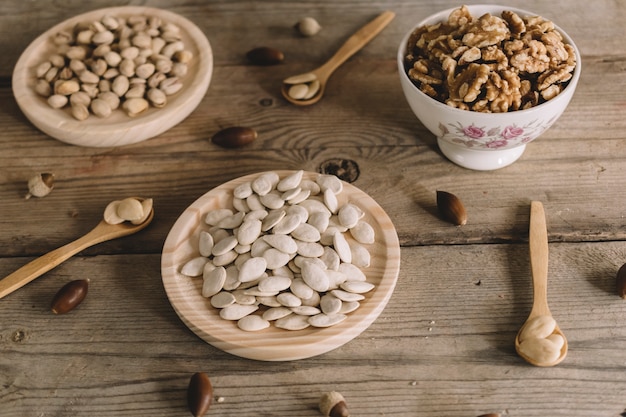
[119, 129]
[274, 344]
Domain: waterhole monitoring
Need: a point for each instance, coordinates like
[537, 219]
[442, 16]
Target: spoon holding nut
[308, 88]
[540, 341]
[101, 233]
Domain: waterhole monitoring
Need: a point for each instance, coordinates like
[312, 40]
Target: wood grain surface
[444, 344]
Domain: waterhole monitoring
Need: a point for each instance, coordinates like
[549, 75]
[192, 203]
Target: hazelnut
[451, 208]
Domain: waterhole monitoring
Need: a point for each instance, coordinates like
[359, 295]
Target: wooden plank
[442, 347]
[235, 27]
[569, 161]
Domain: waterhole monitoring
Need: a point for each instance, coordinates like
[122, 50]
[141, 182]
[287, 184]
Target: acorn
[333, 404]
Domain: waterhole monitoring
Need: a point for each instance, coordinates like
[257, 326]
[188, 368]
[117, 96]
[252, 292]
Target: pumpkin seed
[293, 322]
[288, 300]
[315, 277]
[222, 299]
[357, 287]
[249, 232]
[330, 304]
[252, 269]
[326, 320]
[290, 181]
[193, 267]
[347, 296]
[237, 311]
[274, 283]
[363, 232]
[283, 243]
[275, 313]
[213, 282]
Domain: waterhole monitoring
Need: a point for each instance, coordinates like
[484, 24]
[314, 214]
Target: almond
[69, 296]
[199, 394]
[451, 208]
[234, 137]
[265, 55]
[621, 282]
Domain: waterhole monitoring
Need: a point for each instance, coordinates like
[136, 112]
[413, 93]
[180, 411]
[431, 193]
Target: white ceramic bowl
[117, 129]
[483, 141]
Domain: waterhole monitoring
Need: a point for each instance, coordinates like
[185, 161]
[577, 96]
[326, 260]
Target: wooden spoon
[37, 267]
[349, 48]
[538, 243]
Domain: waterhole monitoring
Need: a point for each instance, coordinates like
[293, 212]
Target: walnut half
[490, 63]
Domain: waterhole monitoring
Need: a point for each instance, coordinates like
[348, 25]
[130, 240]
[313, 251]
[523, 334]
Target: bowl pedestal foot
[480, 160]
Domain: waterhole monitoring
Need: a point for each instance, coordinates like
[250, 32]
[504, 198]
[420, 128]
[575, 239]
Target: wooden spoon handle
[43, 264]
[355, 42]
[538, 248]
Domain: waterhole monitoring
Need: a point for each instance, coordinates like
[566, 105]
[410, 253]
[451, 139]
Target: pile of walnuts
[490, 64]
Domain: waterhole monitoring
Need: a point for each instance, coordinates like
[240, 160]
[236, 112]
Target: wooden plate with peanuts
[281, 265]
[113, 76]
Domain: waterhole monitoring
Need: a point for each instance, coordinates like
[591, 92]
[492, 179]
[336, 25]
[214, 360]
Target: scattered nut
[265, 55]
[135, 106]
[451, 208]
[308, 26]
[234, 137]
[40, 185]
[69, 296]
[621, 282]
[332, 404]
[302, 86]
[129, 209]
[199, 394]
[538, 341]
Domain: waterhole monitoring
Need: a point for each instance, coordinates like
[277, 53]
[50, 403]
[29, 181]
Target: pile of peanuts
[114, 62]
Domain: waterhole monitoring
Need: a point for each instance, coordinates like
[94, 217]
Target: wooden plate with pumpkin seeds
[118, 128]
[273, 343]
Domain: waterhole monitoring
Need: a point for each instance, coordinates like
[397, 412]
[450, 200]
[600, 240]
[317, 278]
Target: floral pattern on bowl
[498, 137]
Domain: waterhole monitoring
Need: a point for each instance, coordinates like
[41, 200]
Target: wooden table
[444, 344]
